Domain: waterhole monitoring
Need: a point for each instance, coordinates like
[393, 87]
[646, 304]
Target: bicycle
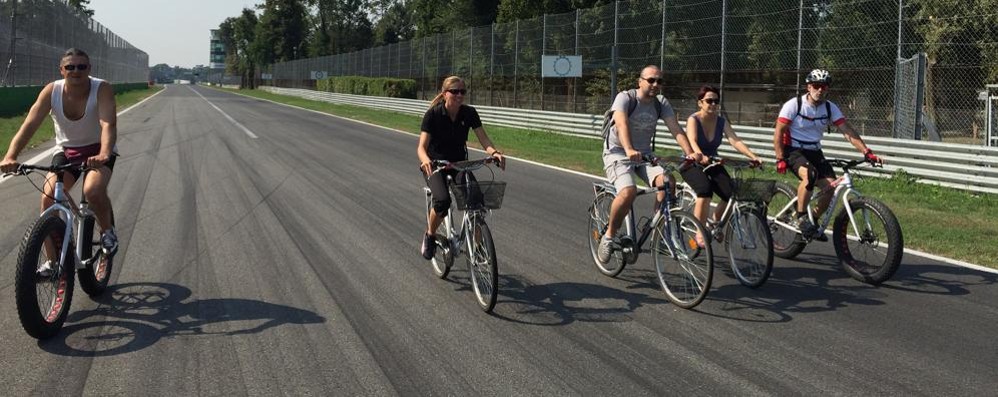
[43, 297]
[476, 199]
[743, 226]
[874, 228]
[684, 268]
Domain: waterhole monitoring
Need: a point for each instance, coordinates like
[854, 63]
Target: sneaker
[45, 270]
[429, 246]
[604, 250]
[109, 242]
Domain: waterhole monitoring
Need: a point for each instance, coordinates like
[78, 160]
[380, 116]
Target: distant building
[217, 60]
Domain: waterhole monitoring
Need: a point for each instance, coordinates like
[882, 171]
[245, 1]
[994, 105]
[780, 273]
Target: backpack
[828, 127]
[632, 104]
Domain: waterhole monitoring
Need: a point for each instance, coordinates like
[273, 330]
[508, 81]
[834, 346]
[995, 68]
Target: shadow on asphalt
[134, 316]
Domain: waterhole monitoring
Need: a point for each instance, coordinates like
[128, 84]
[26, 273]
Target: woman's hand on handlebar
[9, 166]
[426, 167]
[499, 159]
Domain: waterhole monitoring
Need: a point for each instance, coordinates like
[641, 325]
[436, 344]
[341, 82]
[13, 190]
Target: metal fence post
[800, 38]
[492, 64]
[613, 52]
[661, 53]
[919, 94]
[516, 61]
[724, 29]
[575, 80]
[471, 53]
[544, 48]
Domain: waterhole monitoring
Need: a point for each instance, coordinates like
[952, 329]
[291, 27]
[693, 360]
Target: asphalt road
[281, 258]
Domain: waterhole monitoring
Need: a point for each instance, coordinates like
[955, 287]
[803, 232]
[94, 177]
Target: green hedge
[374, 86]
[16, 101]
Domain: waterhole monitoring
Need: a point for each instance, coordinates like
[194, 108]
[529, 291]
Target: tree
[341, 26]
[82, 6]
[282, 31]
[394, 23]
[435, 16]
[238, 34]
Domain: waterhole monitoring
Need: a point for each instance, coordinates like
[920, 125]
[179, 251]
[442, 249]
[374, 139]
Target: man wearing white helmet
[802, 123]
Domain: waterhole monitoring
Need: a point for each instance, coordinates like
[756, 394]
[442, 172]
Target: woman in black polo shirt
[444, 136]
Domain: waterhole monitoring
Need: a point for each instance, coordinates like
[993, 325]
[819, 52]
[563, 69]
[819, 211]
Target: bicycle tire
[885, 229]
[750, 252]
[43, 320]
[482, 265]
[787, 243]
[685, 270]
[443, 258]
[94, 277]
[599, 218]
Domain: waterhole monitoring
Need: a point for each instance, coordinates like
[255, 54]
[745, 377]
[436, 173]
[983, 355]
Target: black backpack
[632, 104]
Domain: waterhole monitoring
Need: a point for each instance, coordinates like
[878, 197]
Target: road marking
[232, 120]
[44, 153]
[597, 177]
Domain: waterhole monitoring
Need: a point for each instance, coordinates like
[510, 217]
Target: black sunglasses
[71, 68]
[711, 101]
[653, 80]
[456, 91]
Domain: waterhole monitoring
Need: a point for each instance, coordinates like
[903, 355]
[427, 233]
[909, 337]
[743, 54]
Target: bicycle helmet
[820, 76]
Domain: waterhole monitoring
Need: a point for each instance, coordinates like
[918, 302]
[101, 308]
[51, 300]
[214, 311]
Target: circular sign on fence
[562, 66]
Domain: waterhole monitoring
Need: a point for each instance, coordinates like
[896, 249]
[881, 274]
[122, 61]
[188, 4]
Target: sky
[174, 32]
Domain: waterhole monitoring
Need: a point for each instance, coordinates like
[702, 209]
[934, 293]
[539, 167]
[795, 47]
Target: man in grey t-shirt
[630, 138]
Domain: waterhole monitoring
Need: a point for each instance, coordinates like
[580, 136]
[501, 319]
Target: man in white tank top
[85, 116]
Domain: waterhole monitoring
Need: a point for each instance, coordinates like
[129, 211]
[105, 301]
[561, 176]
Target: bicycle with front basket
[684, 268]
[476, 199]
[64, 236]
[743, 226]
[866, 233]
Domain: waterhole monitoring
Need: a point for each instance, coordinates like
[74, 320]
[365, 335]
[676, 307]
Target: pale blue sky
[174, 32]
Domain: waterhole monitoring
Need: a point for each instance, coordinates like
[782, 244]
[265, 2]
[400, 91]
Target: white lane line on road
[232, 120]
[597, 177]
[44, 153]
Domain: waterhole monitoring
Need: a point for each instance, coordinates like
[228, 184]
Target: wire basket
[478, 195]
[754, 189]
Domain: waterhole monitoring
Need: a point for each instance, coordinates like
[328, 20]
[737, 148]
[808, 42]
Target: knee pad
[812, 177]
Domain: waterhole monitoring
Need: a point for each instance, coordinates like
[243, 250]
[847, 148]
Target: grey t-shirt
[642, 123]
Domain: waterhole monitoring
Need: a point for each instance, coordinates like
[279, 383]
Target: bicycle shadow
[817, 283]
[564, 303]
[134, 316]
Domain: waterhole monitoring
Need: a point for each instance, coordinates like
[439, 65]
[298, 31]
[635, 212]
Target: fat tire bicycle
[64, 235]
[476, 199]
[866, 234]
[684, 268]
[743, 226]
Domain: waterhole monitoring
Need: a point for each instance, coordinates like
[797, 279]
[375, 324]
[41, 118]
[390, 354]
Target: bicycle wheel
[599, 220]
[875, 254]
[43, 300]
[482, 265]
[443, 258]
[750, 247]
[685, 270]
[96, 272]
[685, 197]
[787, 243]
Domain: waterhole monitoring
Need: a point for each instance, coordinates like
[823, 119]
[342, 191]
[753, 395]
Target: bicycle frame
[842, 188]
[73, 216]
[659, 215]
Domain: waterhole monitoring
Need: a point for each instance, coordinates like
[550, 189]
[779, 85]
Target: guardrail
[966, 167]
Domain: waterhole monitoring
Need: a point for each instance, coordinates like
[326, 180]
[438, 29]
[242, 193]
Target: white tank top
[76, 133]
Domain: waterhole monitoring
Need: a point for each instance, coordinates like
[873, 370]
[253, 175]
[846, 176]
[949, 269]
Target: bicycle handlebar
[846, 165]
[466, 165]
[718, 160]
[25, 169]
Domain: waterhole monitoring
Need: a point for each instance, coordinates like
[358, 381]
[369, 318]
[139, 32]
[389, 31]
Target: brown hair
[449, 82]
[75, 52]
[705, 89]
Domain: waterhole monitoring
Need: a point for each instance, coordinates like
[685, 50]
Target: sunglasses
[653, 80]
[820, 86]
[456, 91]
[711, 101]
[71, 68]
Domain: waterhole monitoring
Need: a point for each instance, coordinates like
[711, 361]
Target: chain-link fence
[35, 33]
[757, 51]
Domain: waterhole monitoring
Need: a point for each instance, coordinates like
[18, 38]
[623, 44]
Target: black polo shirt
[448, 138]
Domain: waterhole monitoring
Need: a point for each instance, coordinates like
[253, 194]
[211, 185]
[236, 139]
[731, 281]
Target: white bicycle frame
[73, 216]
[843, 187]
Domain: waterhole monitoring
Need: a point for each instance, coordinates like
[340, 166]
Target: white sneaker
[109, 242]
[604, 250]
[44, 270]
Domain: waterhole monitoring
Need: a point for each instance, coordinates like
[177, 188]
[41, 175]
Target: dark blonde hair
[448, 83]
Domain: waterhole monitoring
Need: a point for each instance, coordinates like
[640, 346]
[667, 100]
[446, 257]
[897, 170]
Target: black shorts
[60, 159]
[814, 159]
[714, 181]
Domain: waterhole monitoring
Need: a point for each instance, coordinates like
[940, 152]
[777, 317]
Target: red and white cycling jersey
[807, 127]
